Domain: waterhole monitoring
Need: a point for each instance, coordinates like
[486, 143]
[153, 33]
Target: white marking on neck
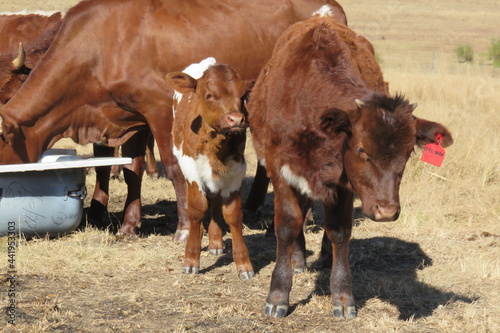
[299, 182]
[188, 166]
[324, 11]
[229, 182]
[200, 171]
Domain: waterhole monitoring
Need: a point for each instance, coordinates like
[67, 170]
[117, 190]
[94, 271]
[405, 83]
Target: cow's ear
[427, 130]
[249, 85]
[335, 121]
[8, 131]
[181, 82]
[248, 89]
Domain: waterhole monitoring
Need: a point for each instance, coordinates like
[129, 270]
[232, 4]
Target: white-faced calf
[209, 133]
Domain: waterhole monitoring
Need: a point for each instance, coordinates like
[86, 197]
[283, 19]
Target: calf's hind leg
[233, 214]
[215, 232]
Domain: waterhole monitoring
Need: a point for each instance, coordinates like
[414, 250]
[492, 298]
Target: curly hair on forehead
[388, 103]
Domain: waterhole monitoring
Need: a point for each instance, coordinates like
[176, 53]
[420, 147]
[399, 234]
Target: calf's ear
[427, 130]
[335, 121]
[181, 82]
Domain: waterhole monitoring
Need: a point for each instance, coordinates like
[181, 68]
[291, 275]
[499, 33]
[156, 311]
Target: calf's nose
[386, 213]
[234, 120]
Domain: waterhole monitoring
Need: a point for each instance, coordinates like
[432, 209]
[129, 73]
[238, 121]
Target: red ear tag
[434, 152]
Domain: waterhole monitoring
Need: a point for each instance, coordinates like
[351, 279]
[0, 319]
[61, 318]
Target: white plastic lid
[54, 159]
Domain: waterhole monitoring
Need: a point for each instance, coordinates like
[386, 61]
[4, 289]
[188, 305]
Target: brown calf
[326, 129]
[209, 133]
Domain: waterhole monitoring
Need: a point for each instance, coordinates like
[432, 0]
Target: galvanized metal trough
[47, 197]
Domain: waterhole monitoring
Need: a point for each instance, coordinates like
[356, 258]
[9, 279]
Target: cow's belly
[199, 171]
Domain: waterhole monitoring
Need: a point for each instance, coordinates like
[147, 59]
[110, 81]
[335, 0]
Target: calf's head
[382, 135]
[218, 96]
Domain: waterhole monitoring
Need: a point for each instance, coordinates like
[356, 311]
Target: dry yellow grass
[434, 270]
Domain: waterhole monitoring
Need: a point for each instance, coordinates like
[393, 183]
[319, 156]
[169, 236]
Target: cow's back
[120, 51]
[322, 62]
[239, 33]
[15, 29]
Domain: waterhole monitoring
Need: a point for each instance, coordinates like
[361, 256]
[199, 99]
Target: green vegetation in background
[494, 52]
[464, 53]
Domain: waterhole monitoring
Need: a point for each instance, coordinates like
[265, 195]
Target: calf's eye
[362, 153]
[209, 97]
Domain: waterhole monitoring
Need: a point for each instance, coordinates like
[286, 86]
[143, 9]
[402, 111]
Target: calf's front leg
[338, 228]
[288, 221]
[197, 206]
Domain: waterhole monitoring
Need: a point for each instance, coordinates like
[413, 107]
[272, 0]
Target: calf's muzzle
[385, 213]
[234, 121]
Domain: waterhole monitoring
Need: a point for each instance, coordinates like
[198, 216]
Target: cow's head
[13, 73]
[383, 133]
[219, 96]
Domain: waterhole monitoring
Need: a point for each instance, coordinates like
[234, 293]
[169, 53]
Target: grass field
[436, 269]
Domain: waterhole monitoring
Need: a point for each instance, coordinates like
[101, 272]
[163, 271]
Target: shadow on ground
[382, 267]
[386, 268]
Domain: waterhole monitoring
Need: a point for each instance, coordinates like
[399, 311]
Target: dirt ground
[434, 270]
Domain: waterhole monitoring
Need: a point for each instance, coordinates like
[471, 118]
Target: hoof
[298, 270]
[190, 270]
[246, 275]
[126, 237]
[153, 175]
[181, 236]
[127, 230]
[116, 177]
[278, 311]
[350, 312]
[216, 252]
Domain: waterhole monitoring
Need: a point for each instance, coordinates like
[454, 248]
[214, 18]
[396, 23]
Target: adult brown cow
[209, 134]
[326, 128]
[24, 27]
[37, 31]
[103, 77]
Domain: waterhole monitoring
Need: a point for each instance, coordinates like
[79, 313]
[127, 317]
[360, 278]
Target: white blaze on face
[195, 71]
[324, 11]
[199, 171]
[299, 182]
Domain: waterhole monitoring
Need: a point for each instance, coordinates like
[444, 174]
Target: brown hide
[103, 77]
[326, 128]
[16, 29]
[12, 76]
[152, 41]
[36, 33]
[209, 125]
